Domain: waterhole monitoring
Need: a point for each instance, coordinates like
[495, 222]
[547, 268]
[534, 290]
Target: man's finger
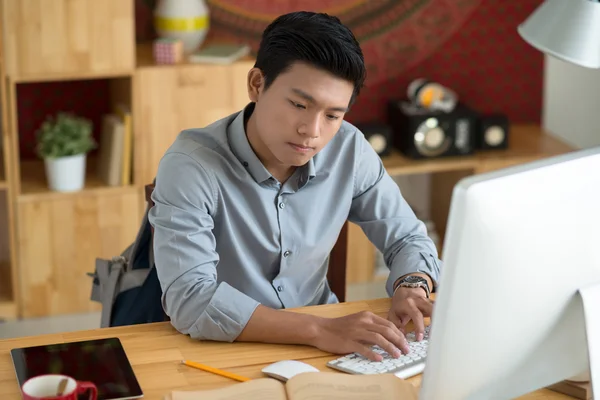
[425, 306]
[378, 339]
[367, 352]
[417, 317]
[404, 319]
[394, 319]
[395, 342]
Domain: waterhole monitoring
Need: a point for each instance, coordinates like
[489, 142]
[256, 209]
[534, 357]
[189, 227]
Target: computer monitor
[519, 243]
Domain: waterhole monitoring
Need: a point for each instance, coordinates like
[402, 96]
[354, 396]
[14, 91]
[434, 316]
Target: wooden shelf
[145, 58]
[34, 185]
[526, 142]
[8, 308]
[72, 76]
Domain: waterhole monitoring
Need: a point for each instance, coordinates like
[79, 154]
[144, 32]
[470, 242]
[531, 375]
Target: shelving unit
[52, 238]
[75, 48]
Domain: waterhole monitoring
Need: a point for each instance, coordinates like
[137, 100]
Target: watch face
[413, 279]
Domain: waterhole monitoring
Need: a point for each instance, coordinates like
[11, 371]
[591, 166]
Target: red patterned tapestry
[471, 46]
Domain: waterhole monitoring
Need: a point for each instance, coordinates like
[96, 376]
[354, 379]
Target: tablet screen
[101, 361]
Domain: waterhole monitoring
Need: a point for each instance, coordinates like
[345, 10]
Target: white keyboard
[404, 367]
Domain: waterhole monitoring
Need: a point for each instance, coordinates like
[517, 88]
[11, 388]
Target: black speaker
[492, 132]
[421, 133]
[379, 136]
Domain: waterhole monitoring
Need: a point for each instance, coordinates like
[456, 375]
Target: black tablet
[101, 361]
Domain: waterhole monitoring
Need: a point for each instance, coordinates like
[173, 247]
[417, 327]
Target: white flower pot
[187, 20]
[66, 174]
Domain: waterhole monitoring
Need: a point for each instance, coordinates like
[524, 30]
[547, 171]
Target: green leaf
[64, 135]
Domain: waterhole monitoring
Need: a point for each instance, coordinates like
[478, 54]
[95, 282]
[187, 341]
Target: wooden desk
[156, 350]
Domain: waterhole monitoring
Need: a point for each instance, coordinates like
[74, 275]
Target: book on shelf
[124, 113]
[308, 386]
[110, 157]
[219, 53]
[116, 147]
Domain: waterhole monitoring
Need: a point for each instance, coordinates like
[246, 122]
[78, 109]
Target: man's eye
[297, 105]
[333, 117]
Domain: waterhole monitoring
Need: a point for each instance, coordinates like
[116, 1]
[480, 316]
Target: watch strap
[422, 284]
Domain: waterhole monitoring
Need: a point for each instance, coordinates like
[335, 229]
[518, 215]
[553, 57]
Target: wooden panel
[3, 183]
[9, 292]
[442, 184]
[361, 256]
[8, 305]
[66, 39]
[338, 263]
[10, 134]
[170, 99]
[8, 308]
[58, 242]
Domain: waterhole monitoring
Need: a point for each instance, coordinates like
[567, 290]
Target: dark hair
[318, 39]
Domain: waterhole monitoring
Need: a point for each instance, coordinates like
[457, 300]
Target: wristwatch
[413, 281]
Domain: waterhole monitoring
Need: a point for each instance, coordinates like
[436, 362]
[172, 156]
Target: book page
[257, 389]
[336, 386]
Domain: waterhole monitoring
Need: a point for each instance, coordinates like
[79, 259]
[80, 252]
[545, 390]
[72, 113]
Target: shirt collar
[243, 151]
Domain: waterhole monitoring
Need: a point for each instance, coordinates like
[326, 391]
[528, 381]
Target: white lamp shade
[566, 29]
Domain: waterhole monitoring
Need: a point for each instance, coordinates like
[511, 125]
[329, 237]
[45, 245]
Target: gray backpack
[127, 285]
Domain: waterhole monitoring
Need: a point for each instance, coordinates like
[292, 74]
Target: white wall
[571, 108]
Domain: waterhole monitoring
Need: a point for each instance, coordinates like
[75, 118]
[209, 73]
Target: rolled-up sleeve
[379, 208]
[185, 198]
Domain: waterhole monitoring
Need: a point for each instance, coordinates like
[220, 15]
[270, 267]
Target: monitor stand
[590, 298]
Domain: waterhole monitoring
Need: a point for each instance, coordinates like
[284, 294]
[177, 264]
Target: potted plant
[63, 143]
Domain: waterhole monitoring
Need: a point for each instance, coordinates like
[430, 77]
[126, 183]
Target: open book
[310, 385]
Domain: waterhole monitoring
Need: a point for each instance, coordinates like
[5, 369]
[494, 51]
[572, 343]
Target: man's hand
[410, 304]
[357, 333]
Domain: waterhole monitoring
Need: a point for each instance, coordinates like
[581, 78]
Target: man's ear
[256, 83]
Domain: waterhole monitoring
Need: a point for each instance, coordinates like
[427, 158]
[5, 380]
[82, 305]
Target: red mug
[45, 387]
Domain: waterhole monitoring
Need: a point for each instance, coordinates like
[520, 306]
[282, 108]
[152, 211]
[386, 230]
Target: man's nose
[310, 127]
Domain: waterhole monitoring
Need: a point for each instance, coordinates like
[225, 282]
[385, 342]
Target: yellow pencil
[215, 371]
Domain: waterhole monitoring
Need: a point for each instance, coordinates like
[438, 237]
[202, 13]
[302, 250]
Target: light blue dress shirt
[228, 236]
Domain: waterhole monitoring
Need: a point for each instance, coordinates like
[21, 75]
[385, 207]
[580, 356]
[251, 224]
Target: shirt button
[287, 253]
[279, 289]
[245, 164]
[282, 205]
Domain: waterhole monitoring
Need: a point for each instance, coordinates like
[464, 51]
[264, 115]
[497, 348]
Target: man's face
[299, 113]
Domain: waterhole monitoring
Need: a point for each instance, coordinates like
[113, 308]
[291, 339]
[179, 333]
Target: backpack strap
[109, 272]
[148, 189]
[143, 226]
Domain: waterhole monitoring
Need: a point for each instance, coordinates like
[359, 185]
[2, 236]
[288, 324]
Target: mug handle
[83, 386]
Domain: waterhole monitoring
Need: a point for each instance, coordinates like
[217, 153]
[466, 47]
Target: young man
[248, 208]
